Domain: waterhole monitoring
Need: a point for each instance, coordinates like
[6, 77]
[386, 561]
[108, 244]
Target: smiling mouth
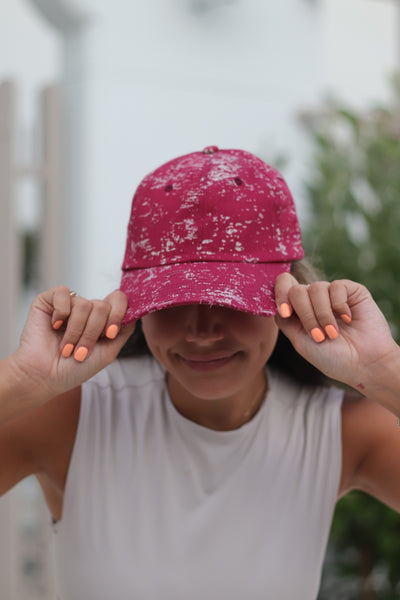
[208, 363]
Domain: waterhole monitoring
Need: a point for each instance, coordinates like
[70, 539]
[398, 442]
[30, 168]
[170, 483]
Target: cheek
[151, 332]
[159, 332]
[270, 341]
[262, 335]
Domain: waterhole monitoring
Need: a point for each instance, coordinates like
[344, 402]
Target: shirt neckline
[218, 435]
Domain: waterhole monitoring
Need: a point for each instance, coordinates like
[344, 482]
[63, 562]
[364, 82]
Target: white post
[52, 221]
[9, 289]
[9, 247]
[14, 543]
[50, 274]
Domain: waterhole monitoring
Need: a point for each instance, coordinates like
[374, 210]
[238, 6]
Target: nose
[203, 324]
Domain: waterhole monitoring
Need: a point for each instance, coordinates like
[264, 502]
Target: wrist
[380, 381]
[20, 390]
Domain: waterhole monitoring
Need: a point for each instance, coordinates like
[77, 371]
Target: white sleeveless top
[157, 507]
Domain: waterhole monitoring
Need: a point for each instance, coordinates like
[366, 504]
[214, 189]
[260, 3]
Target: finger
[93, 337]
[54, 302]
[300, 301]
[124, 334]
[339, 297]
[118, 305]
[62, 306]
[78, 318]
[283, 283]
[93, 330]
[319, 293]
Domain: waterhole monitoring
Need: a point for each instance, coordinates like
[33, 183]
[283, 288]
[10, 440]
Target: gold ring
[72, 294]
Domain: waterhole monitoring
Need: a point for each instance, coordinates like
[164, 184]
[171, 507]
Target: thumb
[283, 283]
[291, 327]
[124, 334]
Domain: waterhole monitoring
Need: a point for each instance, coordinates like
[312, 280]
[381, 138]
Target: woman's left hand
[337, 327]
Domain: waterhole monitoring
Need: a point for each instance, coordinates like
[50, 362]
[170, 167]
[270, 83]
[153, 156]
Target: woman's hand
[67, 339]
[337, 327]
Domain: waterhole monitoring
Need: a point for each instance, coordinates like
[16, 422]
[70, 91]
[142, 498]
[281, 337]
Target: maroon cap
[213, 227]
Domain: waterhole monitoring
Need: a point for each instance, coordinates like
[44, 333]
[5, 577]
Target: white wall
[29, 54]
[360, 48]
[145, 81]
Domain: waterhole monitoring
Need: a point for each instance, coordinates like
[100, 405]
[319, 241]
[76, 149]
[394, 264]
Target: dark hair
[284, 357]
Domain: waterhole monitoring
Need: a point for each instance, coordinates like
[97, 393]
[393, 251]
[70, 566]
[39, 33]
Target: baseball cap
[213, 227]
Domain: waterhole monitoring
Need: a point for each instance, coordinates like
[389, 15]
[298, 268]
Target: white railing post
[9, 245]
[16, 546]
[9, 295]
[52, 223]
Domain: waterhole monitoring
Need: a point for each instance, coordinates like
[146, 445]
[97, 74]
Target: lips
[207, 363]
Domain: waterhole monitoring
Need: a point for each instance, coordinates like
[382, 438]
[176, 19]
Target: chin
[210, 388]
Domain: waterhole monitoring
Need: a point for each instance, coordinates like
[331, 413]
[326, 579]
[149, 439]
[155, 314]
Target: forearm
[19, 391]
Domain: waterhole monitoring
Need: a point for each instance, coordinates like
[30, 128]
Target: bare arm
[40, 442]
[371, 450]
[355, 347]
[40, 382]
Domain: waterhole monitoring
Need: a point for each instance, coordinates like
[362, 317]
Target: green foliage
[354, 230]
[366, 540]
[354, 196]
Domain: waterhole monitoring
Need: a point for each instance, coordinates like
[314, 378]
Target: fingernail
[317, 335]
[57, 324]
[346, 318]
[67, 350]
[285, 310]
[331, 332]
[112, 332]
[81, 353]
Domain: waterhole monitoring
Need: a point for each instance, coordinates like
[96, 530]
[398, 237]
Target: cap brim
[248, 287]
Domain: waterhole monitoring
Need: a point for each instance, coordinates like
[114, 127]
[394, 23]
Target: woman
[195, 470]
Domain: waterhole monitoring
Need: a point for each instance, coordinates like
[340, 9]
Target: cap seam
[201, 262]
[203, 199]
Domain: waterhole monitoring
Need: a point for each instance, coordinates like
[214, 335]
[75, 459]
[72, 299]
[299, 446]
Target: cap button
[210, 149]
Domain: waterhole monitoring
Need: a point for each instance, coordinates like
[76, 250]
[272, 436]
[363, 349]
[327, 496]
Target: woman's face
[213, 352]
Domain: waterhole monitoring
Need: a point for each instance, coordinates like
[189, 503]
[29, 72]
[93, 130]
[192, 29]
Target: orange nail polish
[67, 350]
[285, 310]
[57, 324]
[112, 332]
[81, 353]
[331, 332]
[317, 335]
[345, 318]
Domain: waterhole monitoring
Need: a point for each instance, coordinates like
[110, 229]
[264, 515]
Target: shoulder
[310, 413]
[299, 396]
[51, 434]
[41, 441]
[365, 424]
[124, 392]
[369, 436]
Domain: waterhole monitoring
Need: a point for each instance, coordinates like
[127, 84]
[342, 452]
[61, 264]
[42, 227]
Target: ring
[72, 294]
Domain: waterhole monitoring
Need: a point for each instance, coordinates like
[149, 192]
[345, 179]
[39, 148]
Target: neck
[220, 414]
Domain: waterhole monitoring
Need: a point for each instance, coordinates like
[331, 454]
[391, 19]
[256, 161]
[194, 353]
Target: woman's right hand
[67, 339]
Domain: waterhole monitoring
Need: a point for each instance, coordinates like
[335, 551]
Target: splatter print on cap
[213, 227]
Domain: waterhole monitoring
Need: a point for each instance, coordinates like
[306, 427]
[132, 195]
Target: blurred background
[93, 95]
